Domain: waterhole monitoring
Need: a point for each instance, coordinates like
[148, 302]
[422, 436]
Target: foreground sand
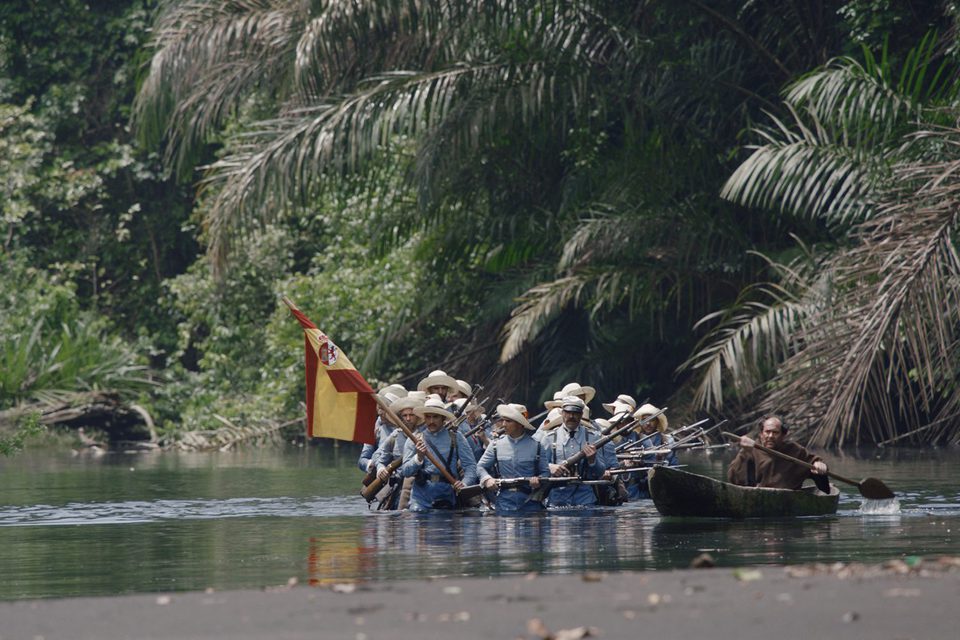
[897, 600]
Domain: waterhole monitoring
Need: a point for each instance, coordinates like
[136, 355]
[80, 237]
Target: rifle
[462, 409]
[633, 444]
[628, 446]
[666, 450]
[410, 434]
[504, 483]
[620, 472]
[616, 424]
[370, 491]
[579, 455]
[480, 425]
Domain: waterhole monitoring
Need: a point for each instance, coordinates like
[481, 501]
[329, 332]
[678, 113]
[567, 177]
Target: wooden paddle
[869, 488]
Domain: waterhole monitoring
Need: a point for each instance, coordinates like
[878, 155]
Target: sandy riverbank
[896, 600]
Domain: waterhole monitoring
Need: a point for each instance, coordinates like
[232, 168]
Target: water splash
[880, 507]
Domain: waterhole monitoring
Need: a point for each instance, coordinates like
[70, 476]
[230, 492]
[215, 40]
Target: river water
[158, 522]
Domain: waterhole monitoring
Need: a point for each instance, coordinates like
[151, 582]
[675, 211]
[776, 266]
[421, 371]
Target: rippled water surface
[121, 523]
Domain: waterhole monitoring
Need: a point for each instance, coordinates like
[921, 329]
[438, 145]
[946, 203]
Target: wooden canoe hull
[679, 493]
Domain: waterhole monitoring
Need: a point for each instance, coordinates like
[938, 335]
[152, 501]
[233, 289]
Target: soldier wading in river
[431, 489]
[514, 454]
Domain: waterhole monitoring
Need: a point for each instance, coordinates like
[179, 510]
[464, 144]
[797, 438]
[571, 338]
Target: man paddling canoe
[754, 468]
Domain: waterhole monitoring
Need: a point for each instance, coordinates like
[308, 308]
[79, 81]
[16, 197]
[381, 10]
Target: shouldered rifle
[370, 491]
[616, 423]
[410, 434]
[480, 425]
[579, 455]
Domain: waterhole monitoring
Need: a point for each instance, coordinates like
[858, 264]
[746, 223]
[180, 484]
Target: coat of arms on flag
[340, 403]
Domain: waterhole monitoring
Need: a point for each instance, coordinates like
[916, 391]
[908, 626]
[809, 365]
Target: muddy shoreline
[900, 599]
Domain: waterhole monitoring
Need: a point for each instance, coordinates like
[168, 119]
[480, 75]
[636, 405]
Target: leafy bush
[50, 347]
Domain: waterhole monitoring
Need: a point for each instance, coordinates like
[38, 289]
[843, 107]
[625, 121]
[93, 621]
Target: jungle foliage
[742, 205]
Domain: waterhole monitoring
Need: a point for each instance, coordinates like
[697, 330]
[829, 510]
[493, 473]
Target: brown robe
[769, 471]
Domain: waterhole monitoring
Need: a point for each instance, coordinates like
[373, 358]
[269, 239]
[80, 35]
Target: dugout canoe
[679, 493]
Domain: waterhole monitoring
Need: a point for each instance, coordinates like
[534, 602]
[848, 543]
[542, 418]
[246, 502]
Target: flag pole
[393, 416]
[410, 434]
[287, 301]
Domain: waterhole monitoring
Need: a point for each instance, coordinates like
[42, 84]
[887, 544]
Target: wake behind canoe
[680, 493]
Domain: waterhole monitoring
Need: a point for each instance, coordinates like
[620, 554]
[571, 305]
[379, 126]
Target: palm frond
[887, 358]
[209, 56]
[806, 172]
[750, 337]
[537, 308]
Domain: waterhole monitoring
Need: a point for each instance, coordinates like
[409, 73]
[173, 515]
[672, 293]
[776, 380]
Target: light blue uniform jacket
[559, 445]
[510, 458]
[381, 430]
[390, 449]
[430, 490]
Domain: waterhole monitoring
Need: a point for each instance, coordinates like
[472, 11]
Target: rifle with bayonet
[573, 460]
[663, 451]
[638, 444]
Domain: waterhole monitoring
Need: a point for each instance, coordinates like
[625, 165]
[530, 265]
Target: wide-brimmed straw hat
[649, 410]
[555, 403]
[396, 389]
[410, 402]
[437, 378]
[577, 389]
[622, 404]
[389, 398]
[514, 412]
[435, 406]
[553, 420]
[464, 387]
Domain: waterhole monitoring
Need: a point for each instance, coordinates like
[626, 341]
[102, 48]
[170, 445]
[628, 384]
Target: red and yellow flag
[340, 403]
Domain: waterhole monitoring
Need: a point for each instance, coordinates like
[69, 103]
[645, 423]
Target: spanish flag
[340, 403]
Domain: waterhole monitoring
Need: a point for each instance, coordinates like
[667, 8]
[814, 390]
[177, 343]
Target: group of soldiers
[460, 457]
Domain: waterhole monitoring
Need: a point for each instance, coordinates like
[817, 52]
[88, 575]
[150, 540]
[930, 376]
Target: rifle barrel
[578, 456]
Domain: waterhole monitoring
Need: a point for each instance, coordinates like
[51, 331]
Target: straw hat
[622, 404]
[388, 398]
[513, 412]
[555, 403]
[410, 402]
[649, 410]
[437, 378]
[576, 389]
[396, 389]
[420, 396]
[553, 420]
[464, 387]
[603, 423]
[435, 406]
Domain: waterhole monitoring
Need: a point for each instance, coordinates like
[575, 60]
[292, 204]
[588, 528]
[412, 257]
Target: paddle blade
[874, 489]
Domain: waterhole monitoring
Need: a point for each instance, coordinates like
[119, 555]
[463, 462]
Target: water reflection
[249, 519]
